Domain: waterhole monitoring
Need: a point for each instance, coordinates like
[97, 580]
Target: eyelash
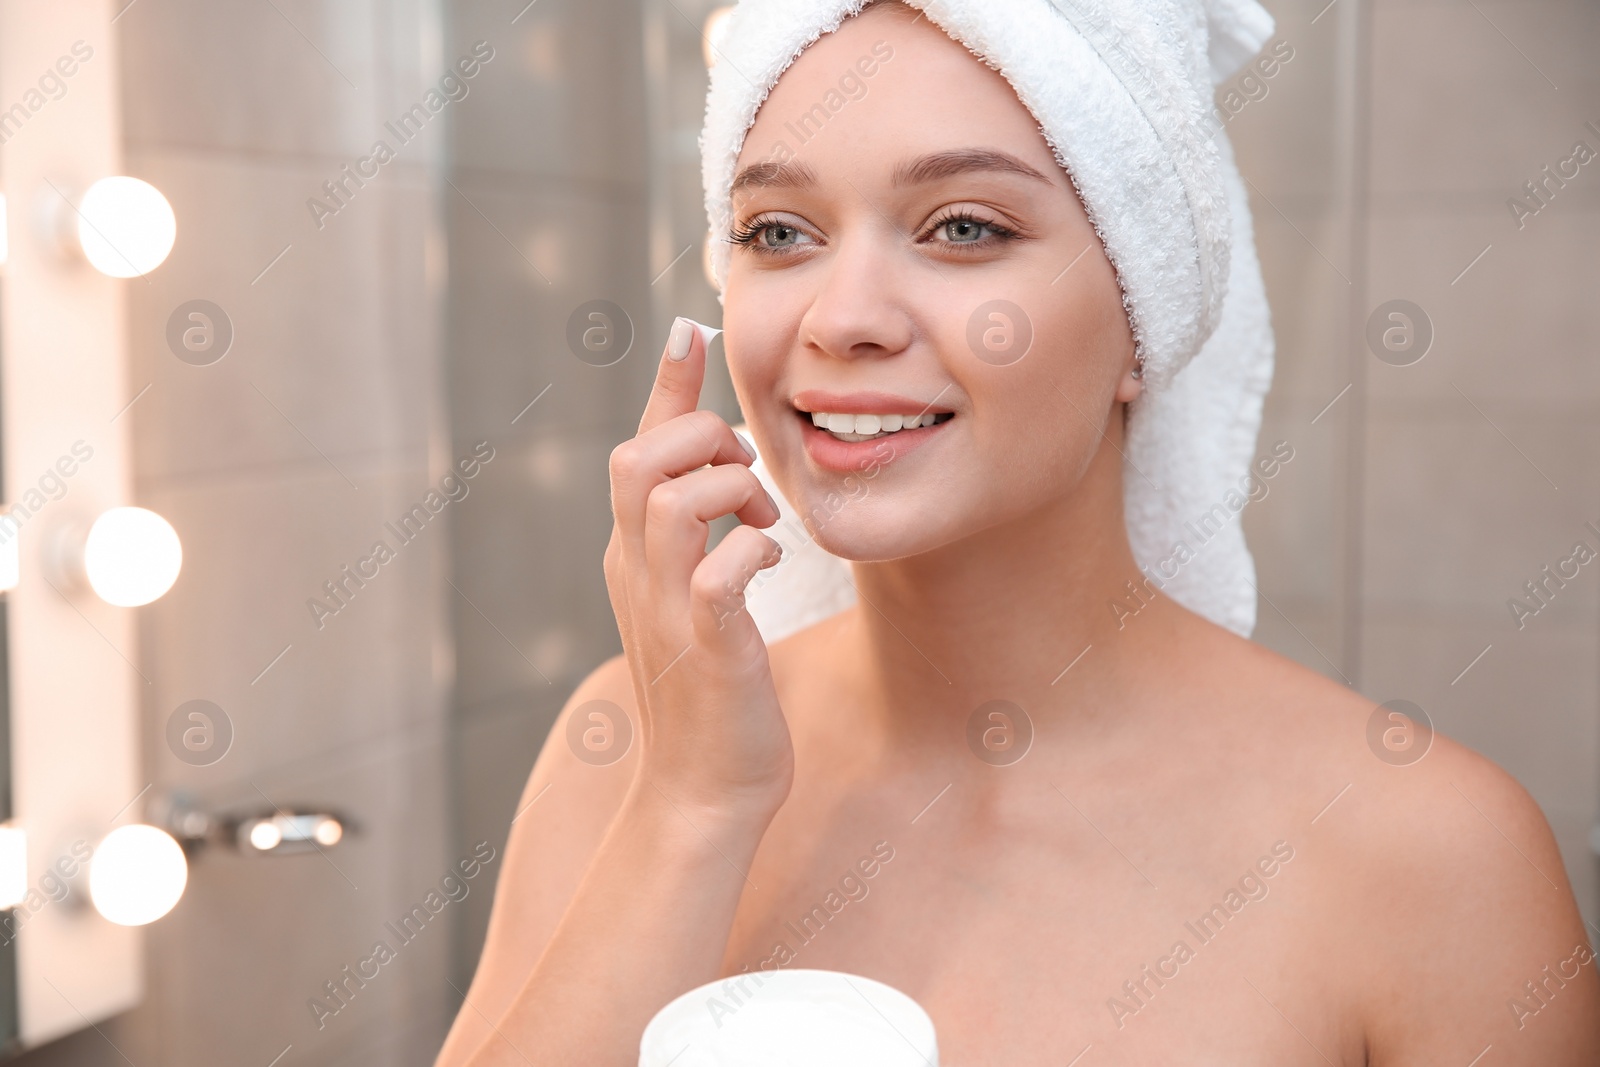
[957, 215]
[746, 235]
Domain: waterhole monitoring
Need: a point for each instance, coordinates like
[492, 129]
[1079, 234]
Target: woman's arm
[564, 811]
[651, 915]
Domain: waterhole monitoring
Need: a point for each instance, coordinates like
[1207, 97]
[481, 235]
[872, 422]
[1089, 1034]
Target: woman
[1182, 847]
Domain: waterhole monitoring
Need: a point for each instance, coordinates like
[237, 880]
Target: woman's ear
[1130, 386]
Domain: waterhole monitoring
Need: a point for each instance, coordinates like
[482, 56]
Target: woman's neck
[1025, 611]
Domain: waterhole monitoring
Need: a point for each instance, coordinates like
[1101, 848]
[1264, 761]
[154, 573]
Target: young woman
[1198, 859]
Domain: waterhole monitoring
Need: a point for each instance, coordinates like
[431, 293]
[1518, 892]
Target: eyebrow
[773, 175]
[939, 165]
[928, 168]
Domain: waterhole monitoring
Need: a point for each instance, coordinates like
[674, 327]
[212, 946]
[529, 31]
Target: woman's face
[906, 245]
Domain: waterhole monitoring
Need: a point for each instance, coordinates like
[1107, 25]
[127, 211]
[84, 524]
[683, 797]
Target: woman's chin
[869, 538]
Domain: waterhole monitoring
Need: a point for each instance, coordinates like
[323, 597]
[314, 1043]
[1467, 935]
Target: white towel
[1123, 92]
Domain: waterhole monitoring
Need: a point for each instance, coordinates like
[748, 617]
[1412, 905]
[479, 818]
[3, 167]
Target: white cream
[847, 427]
[794, 1018]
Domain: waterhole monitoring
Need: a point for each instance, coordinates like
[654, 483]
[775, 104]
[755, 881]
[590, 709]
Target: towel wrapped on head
[1122, 90]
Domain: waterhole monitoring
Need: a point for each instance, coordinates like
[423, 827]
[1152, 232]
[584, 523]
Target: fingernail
[774, 503]
[678, 340]
[749, 449]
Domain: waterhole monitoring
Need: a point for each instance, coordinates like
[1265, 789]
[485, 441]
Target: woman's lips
[847, 457]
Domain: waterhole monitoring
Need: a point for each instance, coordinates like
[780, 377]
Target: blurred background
[389, 331]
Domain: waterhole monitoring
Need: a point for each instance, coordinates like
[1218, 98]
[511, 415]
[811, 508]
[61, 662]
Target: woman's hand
[713, 738]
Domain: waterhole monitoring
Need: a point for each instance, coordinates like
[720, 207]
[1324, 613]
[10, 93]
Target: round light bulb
[13, 866]
[10, 554]
[137, 875]
[132, 556]
[328, 832]
[126, 227]
[712, 34]
[265, 835]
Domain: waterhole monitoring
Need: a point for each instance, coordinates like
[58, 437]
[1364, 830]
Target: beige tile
[1514, 331]
[289, 79]
[1456, 518]
[526, 257]
[1459, 110]
[333, 345]
[560, 98]
[1283, 137]
[255, 552]
[532, 603]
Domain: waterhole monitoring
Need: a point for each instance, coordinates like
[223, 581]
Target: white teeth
[864, 427]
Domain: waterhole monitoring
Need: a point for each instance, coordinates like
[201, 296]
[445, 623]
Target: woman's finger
[678, 523]
[679, 376]
[717, 590]
[641, 464]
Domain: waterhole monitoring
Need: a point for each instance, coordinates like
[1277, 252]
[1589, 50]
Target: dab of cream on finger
[706, 332]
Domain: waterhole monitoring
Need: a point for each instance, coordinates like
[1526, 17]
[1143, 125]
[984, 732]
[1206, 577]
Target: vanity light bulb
[132, 556]
[137, 875]
[126, 227]
[10, 556]
[328, 832]
[265, 835]
[715, 29]
[13, 866]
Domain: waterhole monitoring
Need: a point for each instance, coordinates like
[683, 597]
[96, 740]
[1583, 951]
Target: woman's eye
[777, 235]
[967, 230]
[769, 236]
[963, 231]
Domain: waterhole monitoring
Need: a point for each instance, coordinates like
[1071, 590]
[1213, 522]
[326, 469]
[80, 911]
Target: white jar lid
[791, 1018]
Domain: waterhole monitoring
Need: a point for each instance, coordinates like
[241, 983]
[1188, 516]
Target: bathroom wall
[546, 213]
[1425, 497]
[280, 464]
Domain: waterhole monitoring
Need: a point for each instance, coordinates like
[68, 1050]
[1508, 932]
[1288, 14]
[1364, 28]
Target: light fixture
[13, 866]
[711, 36]
[265, 835]
[10, 554]
[137, 875]
[125, 226]
[276, 831]
[131, 556]
[290, 831]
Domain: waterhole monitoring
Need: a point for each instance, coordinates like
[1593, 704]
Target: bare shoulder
[1443, 906]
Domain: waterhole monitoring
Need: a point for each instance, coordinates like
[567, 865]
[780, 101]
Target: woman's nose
[861, 307]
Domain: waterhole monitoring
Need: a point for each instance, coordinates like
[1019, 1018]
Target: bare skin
[1380, 915]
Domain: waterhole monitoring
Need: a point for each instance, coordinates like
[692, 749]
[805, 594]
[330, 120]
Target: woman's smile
[853, 432]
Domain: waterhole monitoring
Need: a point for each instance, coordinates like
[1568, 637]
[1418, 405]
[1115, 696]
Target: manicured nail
[774, 504]
[678, 340]
[749, 449]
